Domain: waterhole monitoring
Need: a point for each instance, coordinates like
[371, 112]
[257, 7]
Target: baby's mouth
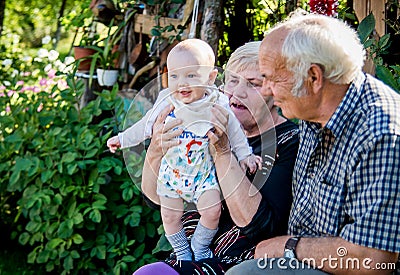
[184, 92]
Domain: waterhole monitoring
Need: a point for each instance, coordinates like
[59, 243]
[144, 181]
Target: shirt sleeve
[142, 130]
[373, 205]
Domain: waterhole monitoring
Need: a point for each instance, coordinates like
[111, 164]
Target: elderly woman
[247, 216]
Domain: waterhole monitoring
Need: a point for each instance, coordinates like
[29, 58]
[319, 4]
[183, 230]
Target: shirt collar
[347, 106]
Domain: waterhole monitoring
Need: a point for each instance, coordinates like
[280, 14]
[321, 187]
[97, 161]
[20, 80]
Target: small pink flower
[36, 89]
[10, 93]
[2, 94]
[40, 108]
[2, 87]
[51, 73]
[20, 83]
[8, 109]
[43, 82]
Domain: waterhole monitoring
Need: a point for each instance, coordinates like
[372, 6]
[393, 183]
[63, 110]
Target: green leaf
[24, 238]
[71, 209]
[43, 256]
[14, 183]
[150, 230]
[68, 157]
[72, 168]
[22, 164]
[384, 74]
[46, 175]
[384, 42]
[53, 243]
[139, 251]
[95, 216]
[128, 259]
[78, 218]
[75, 254]
[162, 245]
[64, 231]
[32, 257]
[155, 32]
[366, 27]
[101, 252]
[68, 263]
[78, 239]
[32, 226]
[58, 199]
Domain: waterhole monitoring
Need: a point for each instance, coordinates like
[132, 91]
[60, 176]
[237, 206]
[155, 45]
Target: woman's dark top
[233, 244]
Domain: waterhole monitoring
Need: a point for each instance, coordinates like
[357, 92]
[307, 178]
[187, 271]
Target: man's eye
[191, 75]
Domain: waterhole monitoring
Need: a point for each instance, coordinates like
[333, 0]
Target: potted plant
[106, 56]
[84, 25]
[83, 52]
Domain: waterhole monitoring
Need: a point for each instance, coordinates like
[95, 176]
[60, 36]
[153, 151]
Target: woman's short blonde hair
[244, 58]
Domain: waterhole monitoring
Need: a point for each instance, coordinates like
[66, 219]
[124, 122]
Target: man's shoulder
[380, 105]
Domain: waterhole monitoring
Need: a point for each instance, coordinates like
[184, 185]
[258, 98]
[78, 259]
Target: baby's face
[187, 78]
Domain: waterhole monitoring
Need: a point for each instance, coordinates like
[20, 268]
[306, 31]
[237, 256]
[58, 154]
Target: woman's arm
[163, 138]
[235, 186]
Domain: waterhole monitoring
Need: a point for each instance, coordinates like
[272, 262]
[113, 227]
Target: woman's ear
[212, 76]
[315, 79]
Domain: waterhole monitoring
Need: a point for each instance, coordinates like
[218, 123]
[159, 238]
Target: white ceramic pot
[107, 77]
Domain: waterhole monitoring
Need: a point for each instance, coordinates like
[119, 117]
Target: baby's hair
[198, 46]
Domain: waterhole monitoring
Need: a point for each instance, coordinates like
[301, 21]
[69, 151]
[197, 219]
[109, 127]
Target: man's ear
[212, 76]
[315, 79]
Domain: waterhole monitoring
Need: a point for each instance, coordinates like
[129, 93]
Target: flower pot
[85, 55]
[107, 77]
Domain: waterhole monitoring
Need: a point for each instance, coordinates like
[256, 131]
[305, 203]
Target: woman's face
[246, 101]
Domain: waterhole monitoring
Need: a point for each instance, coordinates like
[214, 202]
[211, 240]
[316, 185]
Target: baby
[187, 171]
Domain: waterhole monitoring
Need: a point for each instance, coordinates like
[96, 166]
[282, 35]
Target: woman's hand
[163, 138]
[164, 135]
[219, 142]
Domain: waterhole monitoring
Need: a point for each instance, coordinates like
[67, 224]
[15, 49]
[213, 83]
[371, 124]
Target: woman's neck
[265, 126]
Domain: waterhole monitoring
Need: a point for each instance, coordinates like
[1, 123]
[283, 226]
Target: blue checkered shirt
[347, 174]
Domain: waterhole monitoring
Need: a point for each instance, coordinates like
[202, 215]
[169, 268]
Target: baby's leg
[209, 207]
[171, 213]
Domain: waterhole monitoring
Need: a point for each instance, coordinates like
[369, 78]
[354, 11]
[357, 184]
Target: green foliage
[68, 201]
[376, 47]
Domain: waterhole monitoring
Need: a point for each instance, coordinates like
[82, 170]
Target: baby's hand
[113, 144]
[252, 163]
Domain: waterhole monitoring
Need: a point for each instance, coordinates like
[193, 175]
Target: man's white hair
[328, 42]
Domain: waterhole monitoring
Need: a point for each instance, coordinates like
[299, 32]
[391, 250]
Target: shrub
[67, 200]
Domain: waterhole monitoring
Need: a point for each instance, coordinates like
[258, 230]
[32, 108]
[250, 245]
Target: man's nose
[266, 88]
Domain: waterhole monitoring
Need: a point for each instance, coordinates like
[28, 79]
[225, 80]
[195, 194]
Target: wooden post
[364, 7]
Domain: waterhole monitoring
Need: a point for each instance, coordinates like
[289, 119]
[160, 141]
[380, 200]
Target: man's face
[186, 78]
[278, 81]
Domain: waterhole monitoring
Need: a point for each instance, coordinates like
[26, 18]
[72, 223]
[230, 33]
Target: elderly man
[345, 216]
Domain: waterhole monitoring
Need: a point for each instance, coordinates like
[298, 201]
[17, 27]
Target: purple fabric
[156, 268]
